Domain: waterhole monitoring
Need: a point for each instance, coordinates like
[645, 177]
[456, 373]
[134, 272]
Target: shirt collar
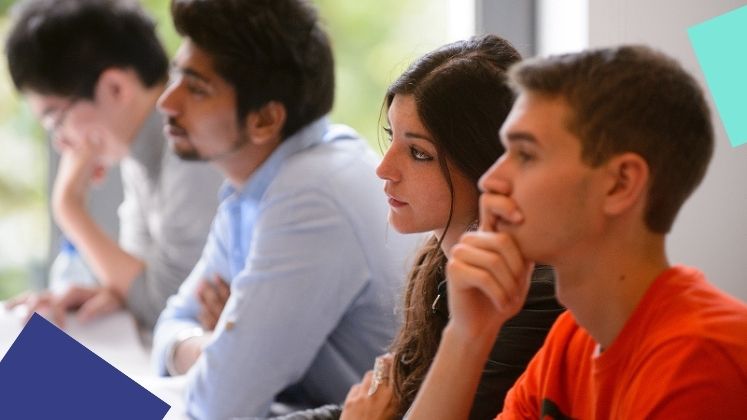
[309, 136]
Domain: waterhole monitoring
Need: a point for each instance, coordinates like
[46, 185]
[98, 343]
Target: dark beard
[194, 156]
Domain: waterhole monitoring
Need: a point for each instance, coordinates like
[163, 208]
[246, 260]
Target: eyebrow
[411, 135]
[520, 136]
[188, 71]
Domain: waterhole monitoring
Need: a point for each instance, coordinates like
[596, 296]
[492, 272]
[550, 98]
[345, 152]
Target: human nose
[387, 169]
[168, 101]
[495, 179]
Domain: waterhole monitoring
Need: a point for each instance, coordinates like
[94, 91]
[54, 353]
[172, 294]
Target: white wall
[562, 26]
[711, 231]
[461, 20]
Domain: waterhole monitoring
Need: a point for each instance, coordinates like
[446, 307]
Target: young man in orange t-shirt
[603, 148]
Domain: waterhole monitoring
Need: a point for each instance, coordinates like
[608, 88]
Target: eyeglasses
[53, 123]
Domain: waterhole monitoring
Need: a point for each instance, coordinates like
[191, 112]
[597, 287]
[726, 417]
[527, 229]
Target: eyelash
[192, 87]
[420, 155]
[195, 90]
[388, 132]
[523, 156]
[416, 154]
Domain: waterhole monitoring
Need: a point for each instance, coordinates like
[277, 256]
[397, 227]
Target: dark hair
[61, 47]
[462, 98]
[268, 50]
[632, 99]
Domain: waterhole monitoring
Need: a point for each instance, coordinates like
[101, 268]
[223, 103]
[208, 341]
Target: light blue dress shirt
[315, 273]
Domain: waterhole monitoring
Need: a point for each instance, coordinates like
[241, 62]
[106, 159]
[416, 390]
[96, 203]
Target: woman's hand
[373, 398]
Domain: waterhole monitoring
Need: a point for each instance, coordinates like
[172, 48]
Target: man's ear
[628, 177]
[116, 86]
[265, 125]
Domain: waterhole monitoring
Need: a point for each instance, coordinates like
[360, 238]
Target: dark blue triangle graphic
[46, 374]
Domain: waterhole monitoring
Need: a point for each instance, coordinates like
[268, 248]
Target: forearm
[180, 315]
[115, 268]
[186, 352]
[450, 385]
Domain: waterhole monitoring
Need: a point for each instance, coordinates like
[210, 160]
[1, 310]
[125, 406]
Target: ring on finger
[380, 375]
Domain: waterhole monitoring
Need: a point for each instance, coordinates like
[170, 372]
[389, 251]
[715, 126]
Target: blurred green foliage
[23, 164]
[373, 40]
[12, 282]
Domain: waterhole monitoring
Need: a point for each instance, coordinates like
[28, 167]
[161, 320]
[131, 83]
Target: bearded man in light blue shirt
[300, 238]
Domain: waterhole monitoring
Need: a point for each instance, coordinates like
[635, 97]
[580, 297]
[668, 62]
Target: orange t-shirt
[682, 354]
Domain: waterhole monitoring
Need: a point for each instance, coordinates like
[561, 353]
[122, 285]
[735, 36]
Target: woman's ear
[628, 178]
[266, 124]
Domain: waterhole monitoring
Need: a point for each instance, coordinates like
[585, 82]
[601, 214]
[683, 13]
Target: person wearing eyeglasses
[92, 71]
